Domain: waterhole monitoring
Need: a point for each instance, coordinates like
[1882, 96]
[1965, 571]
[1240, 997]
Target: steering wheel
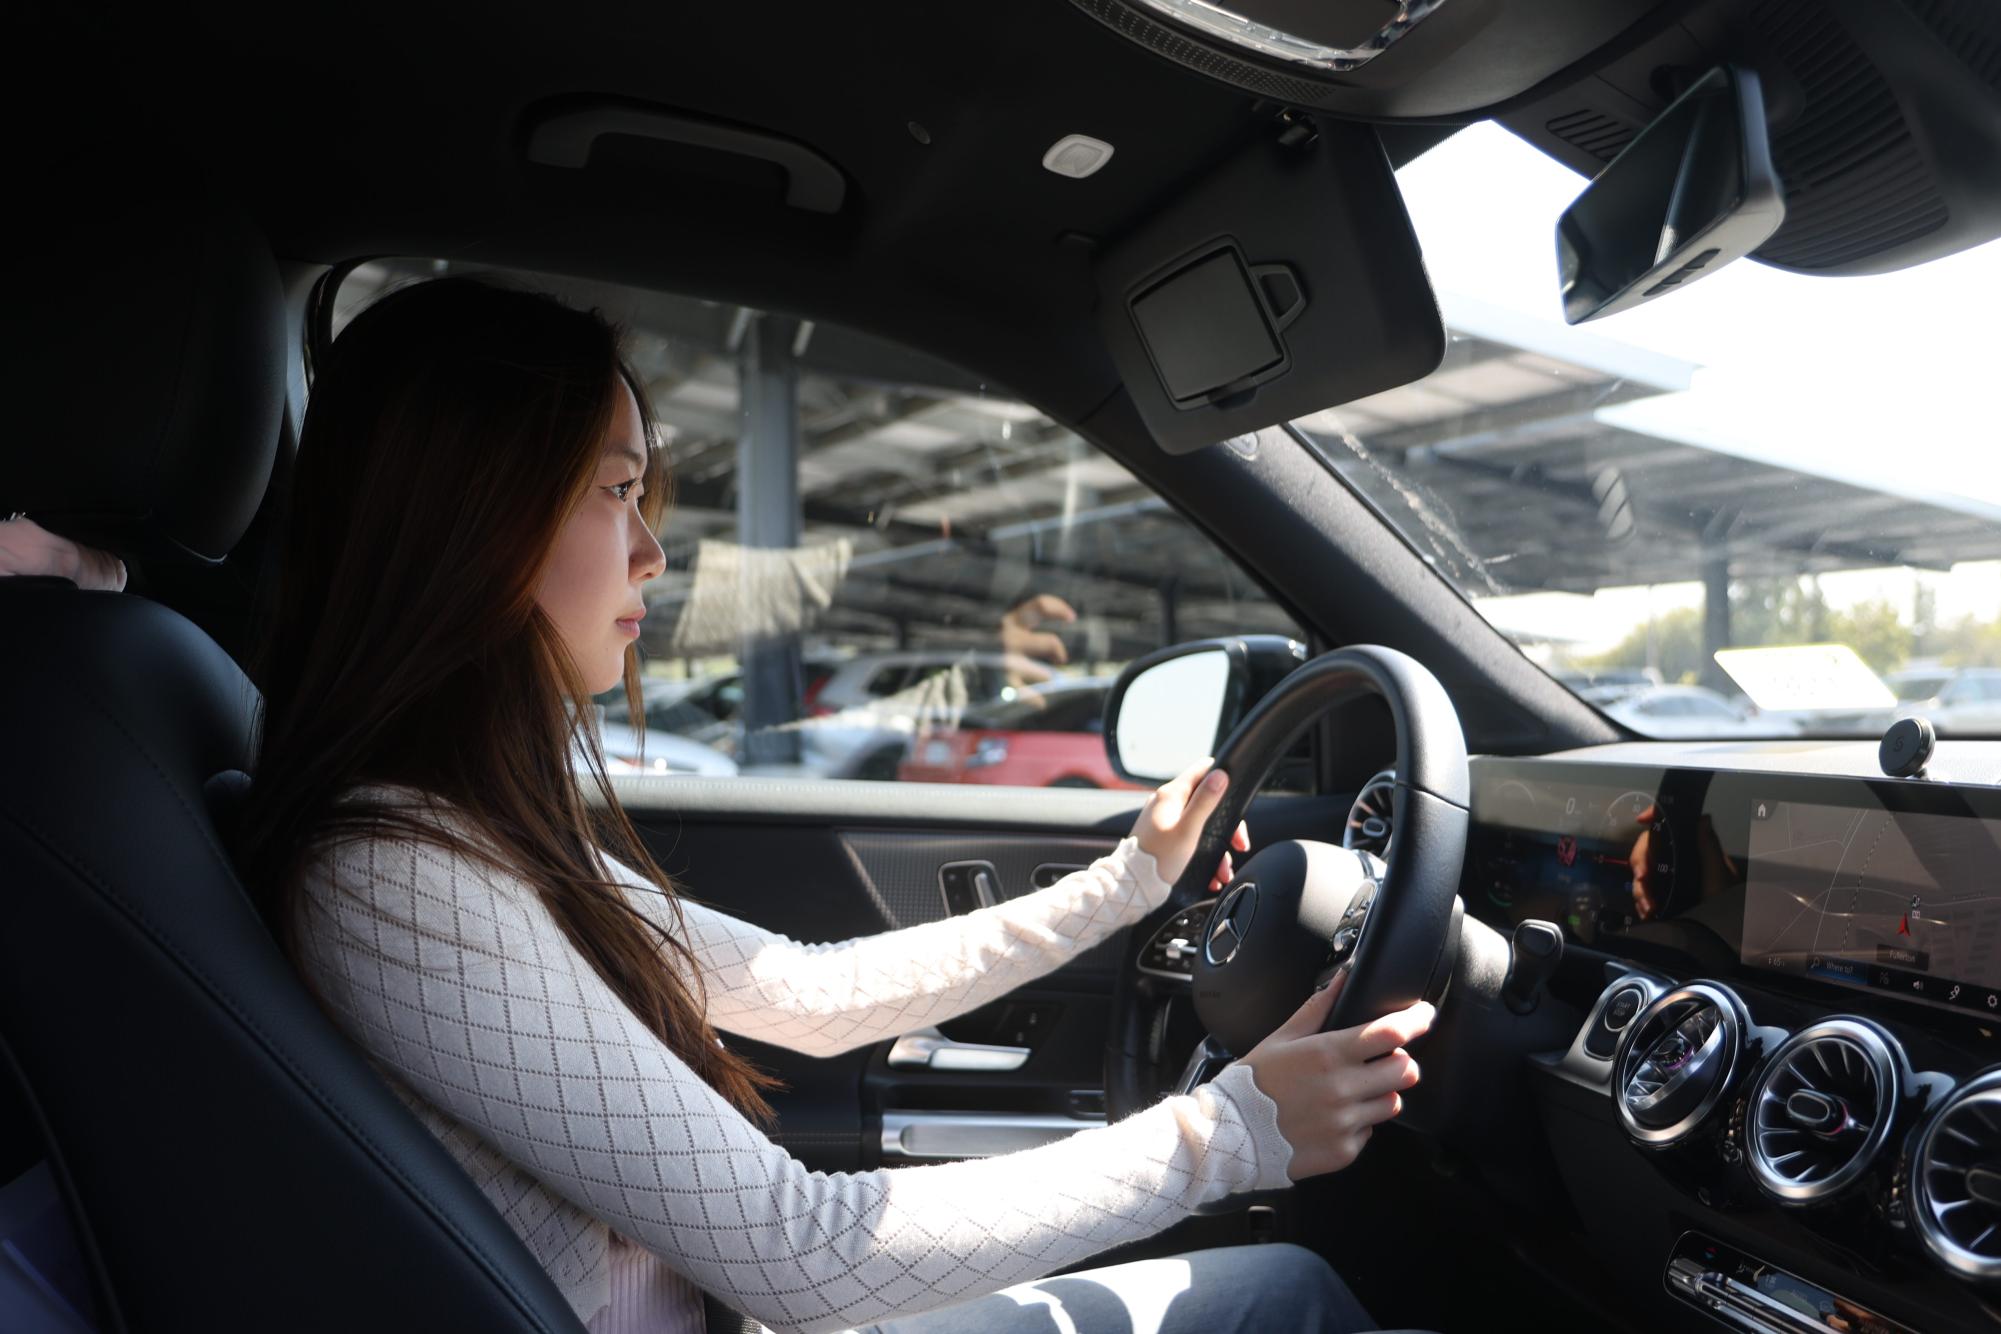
[1297, 910]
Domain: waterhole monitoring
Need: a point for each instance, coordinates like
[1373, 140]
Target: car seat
[230, 1160]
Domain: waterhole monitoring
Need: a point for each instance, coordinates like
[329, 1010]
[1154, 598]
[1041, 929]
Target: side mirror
[1693, 192]
[1172, 707]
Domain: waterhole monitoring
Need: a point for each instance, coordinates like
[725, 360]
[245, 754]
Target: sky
[1889, 381]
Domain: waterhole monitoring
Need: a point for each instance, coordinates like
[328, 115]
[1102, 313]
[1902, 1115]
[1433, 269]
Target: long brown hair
[453, 429]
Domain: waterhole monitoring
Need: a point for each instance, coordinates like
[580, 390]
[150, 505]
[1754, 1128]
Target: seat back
[233, 1162]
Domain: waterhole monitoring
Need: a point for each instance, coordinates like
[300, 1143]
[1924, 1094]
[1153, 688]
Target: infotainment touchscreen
[1896, 901]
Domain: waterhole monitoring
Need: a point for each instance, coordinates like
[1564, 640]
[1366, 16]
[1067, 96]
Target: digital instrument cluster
[1595, 857]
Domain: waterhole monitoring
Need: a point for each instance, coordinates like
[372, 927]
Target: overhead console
[1885, 133]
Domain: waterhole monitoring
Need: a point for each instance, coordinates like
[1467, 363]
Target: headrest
[151, 372]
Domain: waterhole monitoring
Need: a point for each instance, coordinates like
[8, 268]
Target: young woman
[474, 513]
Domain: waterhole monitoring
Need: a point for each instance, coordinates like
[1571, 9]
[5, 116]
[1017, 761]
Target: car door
[832, 860]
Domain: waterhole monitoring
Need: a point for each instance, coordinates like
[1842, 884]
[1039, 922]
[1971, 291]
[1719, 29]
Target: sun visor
[1286, 281]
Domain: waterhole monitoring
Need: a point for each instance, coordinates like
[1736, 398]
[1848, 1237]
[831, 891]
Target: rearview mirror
[1693, 192]
[1174, 706]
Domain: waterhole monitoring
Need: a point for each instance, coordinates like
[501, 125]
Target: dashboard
[1782, 1106]
[1886, 885]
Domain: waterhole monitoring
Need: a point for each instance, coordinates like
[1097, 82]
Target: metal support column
[767, 512]
[1715, 619]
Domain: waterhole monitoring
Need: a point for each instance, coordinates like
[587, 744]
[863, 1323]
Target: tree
[1786, 610]
[1677, 637]
[1966, 643]
[1791, 611]
[1876, 632]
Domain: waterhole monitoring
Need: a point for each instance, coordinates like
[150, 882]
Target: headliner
[352, 134]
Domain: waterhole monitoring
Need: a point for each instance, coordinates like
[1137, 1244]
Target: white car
[1964, 703]
[1675, 712]
[664, 753]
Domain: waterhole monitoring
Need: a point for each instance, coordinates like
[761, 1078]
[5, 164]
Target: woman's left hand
[1170, 824]
[27, 548]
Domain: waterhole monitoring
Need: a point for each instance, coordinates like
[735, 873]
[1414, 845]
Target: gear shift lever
[1533, 954]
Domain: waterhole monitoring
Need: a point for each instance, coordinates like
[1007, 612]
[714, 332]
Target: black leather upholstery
[238, 1164]
[146, 381]
[234, 1161]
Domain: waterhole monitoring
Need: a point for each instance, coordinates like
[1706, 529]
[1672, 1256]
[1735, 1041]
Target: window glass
[916, 557]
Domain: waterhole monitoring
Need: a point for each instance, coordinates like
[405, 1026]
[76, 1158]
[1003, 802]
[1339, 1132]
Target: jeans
[1267, 1289]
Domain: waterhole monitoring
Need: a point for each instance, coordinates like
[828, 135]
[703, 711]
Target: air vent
[1821, 1110]
[1370, 819]
[1676, 1061]
[1856, 182]
[1593, 132]
[1970, 29]
[1956, 1180]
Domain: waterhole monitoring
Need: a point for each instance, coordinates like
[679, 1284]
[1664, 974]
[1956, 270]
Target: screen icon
[1763, 811]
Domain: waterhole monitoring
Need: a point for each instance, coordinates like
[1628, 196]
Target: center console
[1795, 1032]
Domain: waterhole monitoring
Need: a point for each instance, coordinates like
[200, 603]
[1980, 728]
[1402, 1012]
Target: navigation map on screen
[1893, 901]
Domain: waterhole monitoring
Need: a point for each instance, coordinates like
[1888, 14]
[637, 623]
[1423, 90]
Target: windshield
[1664, 507]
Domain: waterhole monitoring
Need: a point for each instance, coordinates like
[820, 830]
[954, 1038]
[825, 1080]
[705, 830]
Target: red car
[1051, 736]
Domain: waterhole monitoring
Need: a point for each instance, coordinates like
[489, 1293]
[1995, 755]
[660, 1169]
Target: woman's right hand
[1333, 1089]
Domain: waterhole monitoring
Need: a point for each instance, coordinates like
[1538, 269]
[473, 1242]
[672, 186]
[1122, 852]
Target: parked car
[662, 753]
[701, 709]
[1965, 701]
[1671, 712]
[1610, 685]
[859, 713]
[1962, 700]
[1044, 736]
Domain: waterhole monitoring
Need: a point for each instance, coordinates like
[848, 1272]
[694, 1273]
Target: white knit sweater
[632, 1181]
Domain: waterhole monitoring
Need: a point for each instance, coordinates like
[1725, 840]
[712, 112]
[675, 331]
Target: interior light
[1235, 28]
[1077, 155]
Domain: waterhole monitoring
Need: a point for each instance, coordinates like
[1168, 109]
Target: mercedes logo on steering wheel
[1231, 924]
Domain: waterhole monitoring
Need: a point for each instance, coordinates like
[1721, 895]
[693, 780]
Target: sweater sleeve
[826, 999]
[459, 983]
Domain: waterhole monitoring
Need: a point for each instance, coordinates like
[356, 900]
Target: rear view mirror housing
[1175, 705]
[1694, 191]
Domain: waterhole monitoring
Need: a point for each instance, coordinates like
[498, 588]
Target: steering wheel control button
[1172, 950]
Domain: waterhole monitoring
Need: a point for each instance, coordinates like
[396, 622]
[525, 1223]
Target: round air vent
[1956, 1180]
[1370, 818]
[1676, 1060]
[1821, 1109]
